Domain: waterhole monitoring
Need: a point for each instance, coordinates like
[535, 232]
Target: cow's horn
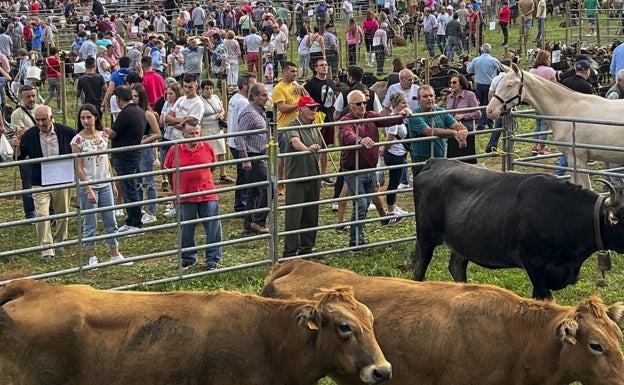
[611, 199]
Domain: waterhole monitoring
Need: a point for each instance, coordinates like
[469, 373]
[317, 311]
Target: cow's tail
[12, 291]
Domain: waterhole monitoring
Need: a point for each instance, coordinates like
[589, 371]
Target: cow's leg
[457, 267]
[537, 275]
[422, 258]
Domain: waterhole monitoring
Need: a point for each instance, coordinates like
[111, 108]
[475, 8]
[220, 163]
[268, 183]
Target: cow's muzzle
[376, 374]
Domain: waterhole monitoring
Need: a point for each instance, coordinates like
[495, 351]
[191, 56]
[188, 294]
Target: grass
[394, 260]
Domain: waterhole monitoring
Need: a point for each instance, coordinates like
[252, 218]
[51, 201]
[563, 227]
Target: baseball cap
[328, 26]
[211, 33]
[307, 101]
[582, 65]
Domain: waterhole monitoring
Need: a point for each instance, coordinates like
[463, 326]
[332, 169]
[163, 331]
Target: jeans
[351, 54]
[148, 185]
[482, 96]
[454, 44]
[505, 30]
[430, 40]
[441, 42]
[363, 183]
[128, 187]
[27, 199]
[241, 179]
[212, 228]
[395, 175]
[540, 126]
[54, 85]
[280, 59]
[561, 162]
[498, 123]
[540, 28]
[256, 197]
[103, 198]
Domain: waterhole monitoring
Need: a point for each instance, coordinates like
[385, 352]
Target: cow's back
[440, 333]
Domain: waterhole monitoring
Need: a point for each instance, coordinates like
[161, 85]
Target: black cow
[500, 220]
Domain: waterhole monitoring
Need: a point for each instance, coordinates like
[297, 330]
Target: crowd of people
[158, 91]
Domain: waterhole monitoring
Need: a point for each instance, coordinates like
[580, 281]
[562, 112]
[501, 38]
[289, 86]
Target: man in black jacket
[47, 139]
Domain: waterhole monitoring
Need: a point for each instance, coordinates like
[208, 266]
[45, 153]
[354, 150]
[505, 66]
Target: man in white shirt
[236, 104]
[188, 106]
[160, 22]
[347, 7]
[541, 20]
[405, 85]
[278, 41]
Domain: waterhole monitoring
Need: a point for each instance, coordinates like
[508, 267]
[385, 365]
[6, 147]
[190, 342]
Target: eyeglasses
[359, 104]
[407, 79]
[453, 82]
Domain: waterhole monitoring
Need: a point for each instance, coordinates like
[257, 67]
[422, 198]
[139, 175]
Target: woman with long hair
[303, 51]
[213, 114]
[370, 25]
[462, 97]
[541, 67]
[151, 134]
[90, 137]
[354, 38]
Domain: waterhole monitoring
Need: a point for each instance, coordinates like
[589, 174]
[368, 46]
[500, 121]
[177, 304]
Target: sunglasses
[454, 82]
[359, 104]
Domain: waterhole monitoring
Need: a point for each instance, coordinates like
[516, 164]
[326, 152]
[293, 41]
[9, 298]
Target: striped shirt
[252, 117]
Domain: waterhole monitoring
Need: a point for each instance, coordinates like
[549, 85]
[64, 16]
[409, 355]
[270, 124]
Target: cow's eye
[344, 330]
[596, 347]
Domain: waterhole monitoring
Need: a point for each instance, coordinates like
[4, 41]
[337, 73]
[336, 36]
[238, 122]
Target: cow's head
[508, 92]
[345, 339]
[613, 222]
[591, 339]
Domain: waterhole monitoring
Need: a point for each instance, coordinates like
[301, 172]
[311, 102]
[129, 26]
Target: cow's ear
[566, 331]
[309, 317]
[616, 312]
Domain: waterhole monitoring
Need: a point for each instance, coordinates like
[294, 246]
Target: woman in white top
[90, 137]
[234, 54]
[213, 115]
[304, 51]
[395, 153]
[317, 47]
[103, 66]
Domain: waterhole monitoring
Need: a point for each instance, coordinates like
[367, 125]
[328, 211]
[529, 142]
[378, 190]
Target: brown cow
[76, 335]
[446, 333]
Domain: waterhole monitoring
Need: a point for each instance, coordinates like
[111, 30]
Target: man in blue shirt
[485, 67]
[321, 14]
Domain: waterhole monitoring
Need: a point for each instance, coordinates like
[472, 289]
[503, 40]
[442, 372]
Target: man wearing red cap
[307, 140]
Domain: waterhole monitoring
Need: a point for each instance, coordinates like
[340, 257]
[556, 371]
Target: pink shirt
[354, 39]
[545, 72]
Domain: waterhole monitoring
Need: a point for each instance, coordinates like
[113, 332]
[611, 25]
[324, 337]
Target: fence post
[272, 178]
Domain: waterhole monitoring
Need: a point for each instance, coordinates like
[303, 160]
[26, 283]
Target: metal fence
[258, 250]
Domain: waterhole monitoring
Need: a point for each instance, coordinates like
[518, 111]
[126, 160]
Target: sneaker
[188, 264]
[372, 207]
[334, 207]
[391, 220]
[125, 228]
[119, 213]
[148, 218]
[93, 261]
[399, 211]
[211, 266]
[170, 213]
[403, 186]
[164, 187]
[327, 182]
[342, 227]
[119, 257]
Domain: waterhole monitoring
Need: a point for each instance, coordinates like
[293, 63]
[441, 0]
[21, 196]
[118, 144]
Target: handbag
[6, 150]
[33, 73]
[79, 67]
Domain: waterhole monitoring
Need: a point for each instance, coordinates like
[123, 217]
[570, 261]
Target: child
[268, 69]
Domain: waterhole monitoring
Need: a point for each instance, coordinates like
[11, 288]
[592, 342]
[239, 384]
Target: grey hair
[487, 47]
[620, 75]
[353, 93]
[406, 72]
